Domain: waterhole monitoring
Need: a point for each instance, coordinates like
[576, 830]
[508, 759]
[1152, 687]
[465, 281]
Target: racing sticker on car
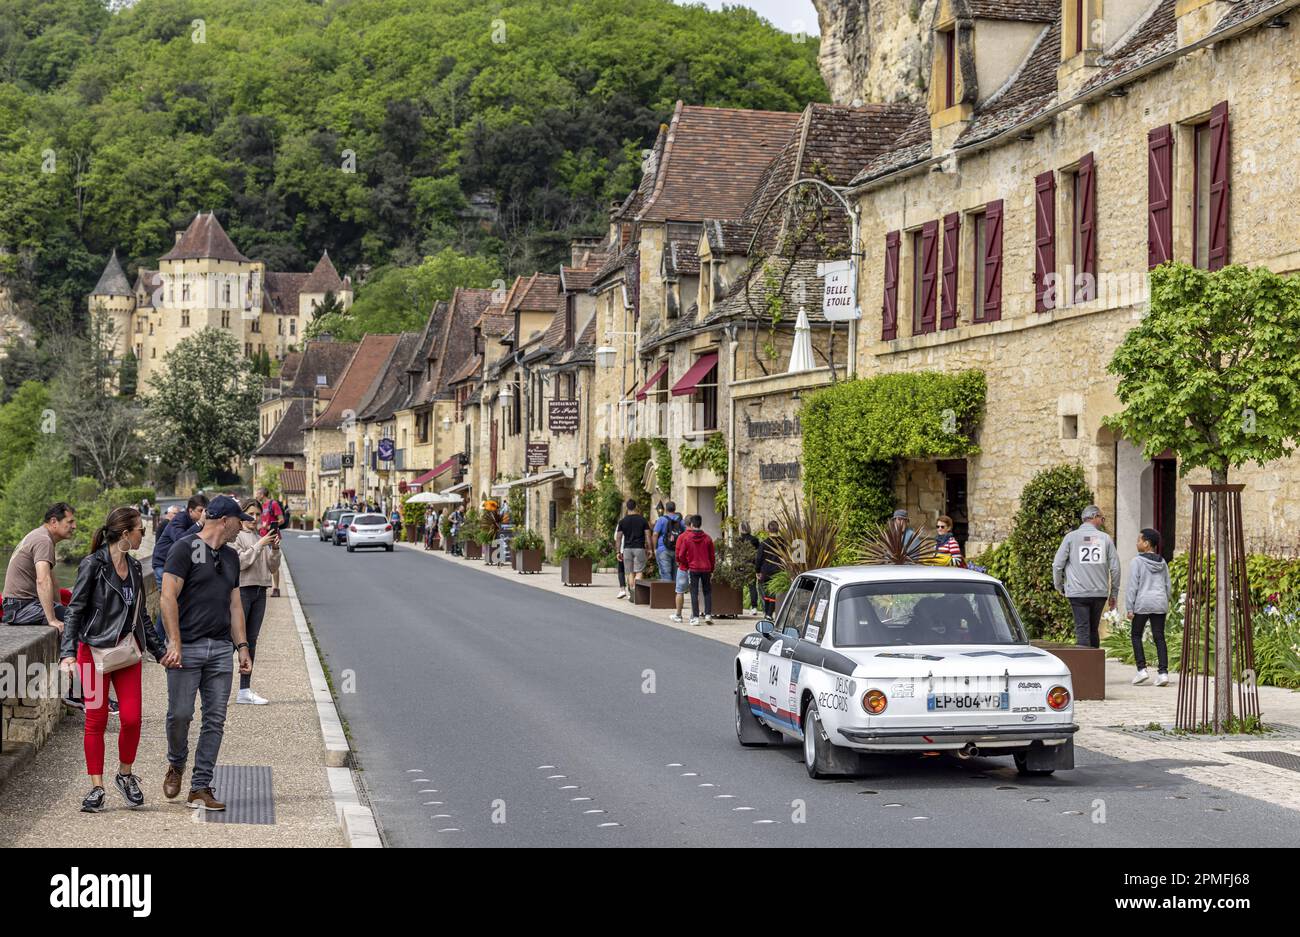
[820, 614]
[751, 640]
[813, 633]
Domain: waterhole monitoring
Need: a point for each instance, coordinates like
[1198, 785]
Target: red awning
[702, 366]
[654, 379]
[434, 473]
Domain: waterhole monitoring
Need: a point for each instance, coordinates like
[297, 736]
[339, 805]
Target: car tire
[388, 547]
[821, 758]
[351, 548]
[1023, 770]
[749, 731]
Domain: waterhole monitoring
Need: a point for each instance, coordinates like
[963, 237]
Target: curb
[356, 820]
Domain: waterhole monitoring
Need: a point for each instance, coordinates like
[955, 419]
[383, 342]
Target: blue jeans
[667, 565]
[208, 668]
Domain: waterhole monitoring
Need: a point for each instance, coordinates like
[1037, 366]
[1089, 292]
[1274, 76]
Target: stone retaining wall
[30, 706]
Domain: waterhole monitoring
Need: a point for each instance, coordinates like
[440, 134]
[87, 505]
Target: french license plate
[959, 701]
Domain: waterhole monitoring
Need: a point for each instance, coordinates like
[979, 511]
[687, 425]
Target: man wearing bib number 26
[1086, 569]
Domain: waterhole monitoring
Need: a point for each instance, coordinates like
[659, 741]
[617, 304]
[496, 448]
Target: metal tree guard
[1214, 570]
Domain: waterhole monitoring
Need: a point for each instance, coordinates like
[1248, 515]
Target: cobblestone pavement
[1100, 721]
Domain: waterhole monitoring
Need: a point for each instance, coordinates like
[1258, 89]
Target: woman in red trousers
[108, 608]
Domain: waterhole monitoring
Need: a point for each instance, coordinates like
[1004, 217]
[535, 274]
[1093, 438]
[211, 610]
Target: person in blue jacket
[178, 527]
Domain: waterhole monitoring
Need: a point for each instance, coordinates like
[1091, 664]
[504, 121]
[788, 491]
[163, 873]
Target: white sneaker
[1141, 678]
[248, 696]
[676, 618]
[1162, 679]
[708, 619]
[695, 621]
[623, 594]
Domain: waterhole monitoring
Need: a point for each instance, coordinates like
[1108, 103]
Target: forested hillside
[383, 130]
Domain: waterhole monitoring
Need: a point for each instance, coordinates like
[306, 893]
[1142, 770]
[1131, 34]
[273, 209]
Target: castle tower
[323, 279]
[114, 298]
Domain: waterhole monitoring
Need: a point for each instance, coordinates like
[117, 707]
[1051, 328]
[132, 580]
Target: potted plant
[412, 513]
[733, 571]
[575, 553]
[486, 533]
[445, 531]
[529, 550]
[471, 546]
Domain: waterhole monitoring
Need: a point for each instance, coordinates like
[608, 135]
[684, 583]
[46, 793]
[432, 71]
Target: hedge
[855, 432]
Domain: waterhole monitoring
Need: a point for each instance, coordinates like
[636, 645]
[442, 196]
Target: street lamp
[505, 396]
[605, 356]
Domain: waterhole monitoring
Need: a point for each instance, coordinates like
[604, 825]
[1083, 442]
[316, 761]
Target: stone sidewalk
[40, 805]
[1106, 726]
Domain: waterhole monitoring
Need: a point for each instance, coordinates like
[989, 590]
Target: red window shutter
[1219, 186]
[948, 298]
[1160, 215]
[889, 312]
[1085, 277]
[992, 298]
[1044, 236]
[929, 273]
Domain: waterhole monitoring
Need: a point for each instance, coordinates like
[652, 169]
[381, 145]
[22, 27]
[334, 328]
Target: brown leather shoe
[171, 783]
[203, 798]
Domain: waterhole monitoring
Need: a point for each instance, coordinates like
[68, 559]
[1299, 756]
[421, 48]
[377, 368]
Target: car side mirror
[765, 627]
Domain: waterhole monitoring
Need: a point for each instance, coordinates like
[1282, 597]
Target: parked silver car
[329, 520]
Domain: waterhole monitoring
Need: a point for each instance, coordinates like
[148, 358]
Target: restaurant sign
[538, 454]
[562, 416]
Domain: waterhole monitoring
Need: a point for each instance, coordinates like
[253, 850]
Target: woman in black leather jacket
[108, 607]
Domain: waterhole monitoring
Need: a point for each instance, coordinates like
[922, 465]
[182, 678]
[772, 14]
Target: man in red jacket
[695, 555]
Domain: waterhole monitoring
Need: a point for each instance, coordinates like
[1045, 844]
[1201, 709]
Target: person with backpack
[1147, 601]
[663, 539]
[695, 555]
[273, 520]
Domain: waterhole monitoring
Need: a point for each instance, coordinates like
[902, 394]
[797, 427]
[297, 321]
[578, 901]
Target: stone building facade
[1013, 228]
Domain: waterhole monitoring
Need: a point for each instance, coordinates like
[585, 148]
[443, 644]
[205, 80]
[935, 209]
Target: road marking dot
[1175, 797]
[414, 770]
[605, 825]
[569, 787]
[1036, 800]
[742, 808]
[433, 803]
[420, 780]
[895, 805]
[427, 790]
[546, 767]
[690, 774]
[593, 811]
[674, 764]
[724, 796]
[576, 799]
[920, 818]
[763, 822]
[450, 829]
[707, 784]
[1071, 813]
[555, 777]
[440, 816]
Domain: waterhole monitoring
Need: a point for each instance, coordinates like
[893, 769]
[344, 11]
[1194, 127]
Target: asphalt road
[490, 713]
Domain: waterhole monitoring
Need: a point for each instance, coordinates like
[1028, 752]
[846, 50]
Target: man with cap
[900, 522]
[1086, 570]
[204, 620]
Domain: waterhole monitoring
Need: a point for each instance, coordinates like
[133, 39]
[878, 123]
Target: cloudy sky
[784, 14]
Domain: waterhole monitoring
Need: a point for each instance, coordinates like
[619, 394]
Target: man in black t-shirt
[204, 619]
[630, 537]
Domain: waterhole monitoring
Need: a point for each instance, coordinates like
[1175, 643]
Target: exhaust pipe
[968, 751]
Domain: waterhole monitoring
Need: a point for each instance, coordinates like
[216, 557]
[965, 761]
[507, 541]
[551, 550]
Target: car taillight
[874, 702]
[388, 527]
[1058, 697]
[353, 528]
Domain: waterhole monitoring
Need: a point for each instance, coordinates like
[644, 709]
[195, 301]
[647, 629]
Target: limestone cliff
[875, 50]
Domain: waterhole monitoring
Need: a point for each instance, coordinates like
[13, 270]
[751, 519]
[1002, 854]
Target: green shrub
[1277, 646]
[45, 478]
[734, 563]
[635, 457]
[995, 560]
[527, 539]
[663, 467]
[1050, 506]
[570, 541]
[712, 455]
[854, 432]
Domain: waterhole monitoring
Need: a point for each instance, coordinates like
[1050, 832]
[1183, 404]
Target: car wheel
[1022, 762]
[814, 745]
[749, 731]
[388, 547]
[351, 548]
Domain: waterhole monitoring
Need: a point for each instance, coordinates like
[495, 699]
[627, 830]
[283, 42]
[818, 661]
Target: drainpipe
[854, 255]
[731, 424]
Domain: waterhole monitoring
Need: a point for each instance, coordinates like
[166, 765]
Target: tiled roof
[580, 279]
[496, 324]
[1030, 91]
[286, 438]
[453, 342]
[801, 287]
[467, 370]
[1154, 36]
[636, 199]
[289, 367]
[912, 146]
[712, 160]
[320, 358]
[282, 289]
[324, 278]
[151, 281]
[1243, 10]
[205, 239]
[112, 282]
[354, 387]
[389, 391]
[1033, 11]
[728, 237]
[616, 263]
[293, 481]
[584, 348]
[539, 294]
[682, 258]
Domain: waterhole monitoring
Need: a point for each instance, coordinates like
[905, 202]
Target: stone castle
[205, 281]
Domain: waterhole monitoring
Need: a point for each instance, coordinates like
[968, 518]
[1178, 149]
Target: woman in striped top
[945, 542]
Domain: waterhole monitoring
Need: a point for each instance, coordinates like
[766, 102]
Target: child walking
[1147, 600]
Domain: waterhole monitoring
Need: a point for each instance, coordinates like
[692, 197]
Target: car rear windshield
[871, 614]
[334, 514]
[369, 520]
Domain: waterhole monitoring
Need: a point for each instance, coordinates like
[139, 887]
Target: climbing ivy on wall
[663, 467]
[711, 455]
[855, 432]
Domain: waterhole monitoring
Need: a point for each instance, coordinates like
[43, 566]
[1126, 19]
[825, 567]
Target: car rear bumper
[902, 739]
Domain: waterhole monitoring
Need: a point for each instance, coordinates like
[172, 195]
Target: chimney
[179, 235]
[324, 337]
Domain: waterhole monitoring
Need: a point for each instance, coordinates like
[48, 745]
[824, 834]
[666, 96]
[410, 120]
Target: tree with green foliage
[202, 406]
[1211, 373]
[128, 375]
[21, 421]
[45, 477]
[1050, 506]
[328, 306]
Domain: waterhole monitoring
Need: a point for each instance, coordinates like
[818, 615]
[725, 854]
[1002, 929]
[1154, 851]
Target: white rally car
[902, 659]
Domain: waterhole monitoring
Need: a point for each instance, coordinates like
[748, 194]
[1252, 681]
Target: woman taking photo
[104, 635]
[259, 560]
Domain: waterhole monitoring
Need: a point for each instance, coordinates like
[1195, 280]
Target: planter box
[641, 594]
[726, 600]
[528, 561]
[1087, 667]
[575, 571]
[412, 533]
[435, 544]
[473, 550]
[663, 594]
